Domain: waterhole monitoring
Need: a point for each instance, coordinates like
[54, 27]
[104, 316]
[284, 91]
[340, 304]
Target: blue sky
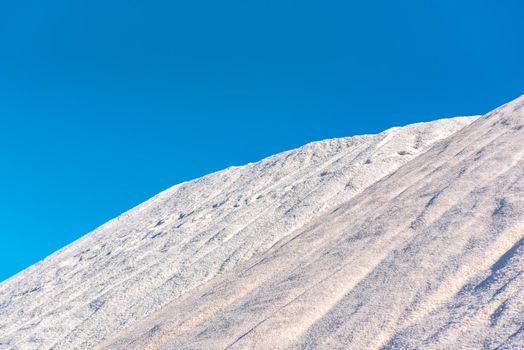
[105, 103]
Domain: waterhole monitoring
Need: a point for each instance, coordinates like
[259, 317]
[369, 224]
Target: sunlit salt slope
[190, 234]
[412, 238]
[429, 257]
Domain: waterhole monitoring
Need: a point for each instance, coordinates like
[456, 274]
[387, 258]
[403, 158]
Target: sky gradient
[104, 104]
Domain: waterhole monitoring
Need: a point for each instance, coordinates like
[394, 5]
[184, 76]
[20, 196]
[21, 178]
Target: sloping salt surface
[430, 257]
[194, 232]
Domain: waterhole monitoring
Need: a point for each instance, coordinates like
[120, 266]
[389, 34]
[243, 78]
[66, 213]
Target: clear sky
[105, 103]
